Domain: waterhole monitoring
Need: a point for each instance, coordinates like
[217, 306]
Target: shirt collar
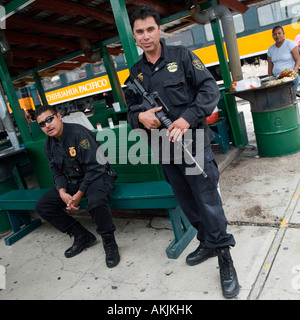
[63, 135]
[161, 56]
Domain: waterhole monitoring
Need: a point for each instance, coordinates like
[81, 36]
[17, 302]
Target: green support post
[221, 52]
[13, 100]
[117, 91]
[14, 6]
[39, 87]
[233, 116]
[125, 31]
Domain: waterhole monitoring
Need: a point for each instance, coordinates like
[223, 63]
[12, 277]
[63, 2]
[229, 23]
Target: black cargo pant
[200, 201]
[51, 207]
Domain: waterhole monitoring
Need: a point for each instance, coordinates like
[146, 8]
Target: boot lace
[226, 265]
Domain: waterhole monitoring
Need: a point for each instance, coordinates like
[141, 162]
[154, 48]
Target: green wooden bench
[143, 195]
[139, 186]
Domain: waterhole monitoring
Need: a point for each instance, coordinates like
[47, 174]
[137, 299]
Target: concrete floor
[266, 256]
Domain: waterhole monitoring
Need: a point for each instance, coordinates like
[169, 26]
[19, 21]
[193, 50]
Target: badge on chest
[72, 151]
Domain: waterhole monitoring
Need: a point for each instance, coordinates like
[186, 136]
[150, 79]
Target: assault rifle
[153, 100]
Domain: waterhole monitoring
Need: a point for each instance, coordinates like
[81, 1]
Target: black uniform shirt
[73, 157]
[183, 83]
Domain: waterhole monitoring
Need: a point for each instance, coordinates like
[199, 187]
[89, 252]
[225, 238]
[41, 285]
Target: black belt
[74, 181]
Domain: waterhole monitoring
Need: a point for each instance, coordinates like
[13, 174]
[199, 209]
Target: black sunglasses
[48, 120]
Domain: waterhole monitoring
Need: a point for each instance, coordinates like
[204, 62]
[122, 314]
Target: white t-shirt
[282, 57]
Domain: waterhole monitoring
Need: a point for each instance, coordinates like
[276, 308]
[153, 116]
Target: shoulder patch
[198, 64]
[85, 144]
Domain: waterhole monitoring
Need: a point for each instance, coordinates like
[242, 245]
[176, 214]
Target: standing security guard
[71, 150]
[191, 94]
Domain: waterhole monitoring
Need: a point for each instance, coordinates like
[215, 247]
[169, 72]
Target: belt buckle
[73, 181]
[111, 172]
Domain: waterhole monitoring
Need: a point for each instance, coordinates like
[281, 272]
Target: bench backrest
[124, 164]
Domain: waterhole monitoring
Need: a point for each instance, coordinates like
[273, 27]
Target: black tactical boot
[229, 281]
[82, 239]
[201, 254]
[111, 250]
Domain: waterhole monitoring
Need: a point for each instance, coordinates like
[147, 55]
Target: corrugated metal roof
[54, 28]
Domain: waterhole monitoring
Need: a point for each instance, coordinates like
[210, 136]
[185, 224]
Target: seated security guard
[71, 151]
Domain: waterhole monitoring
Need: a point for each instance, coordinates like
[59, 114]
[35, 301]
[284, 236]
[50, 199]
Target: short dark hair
[44, 108]
[144, 12]
[277, 27]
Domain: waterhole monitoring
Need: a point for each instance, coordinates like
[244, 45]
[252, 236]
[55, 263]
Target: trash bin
[275, 118]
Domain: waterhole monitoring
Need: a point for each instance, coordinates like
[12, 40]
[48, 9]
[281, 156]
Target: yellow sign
[85, 88]
[25, 103]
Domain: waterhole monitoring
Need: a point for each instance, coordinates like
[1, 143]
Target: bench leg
[21, 225]
[184, 232]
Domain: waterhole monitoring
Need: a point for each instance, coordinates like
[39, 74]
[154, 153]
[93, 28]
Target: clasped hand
[72, 202]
